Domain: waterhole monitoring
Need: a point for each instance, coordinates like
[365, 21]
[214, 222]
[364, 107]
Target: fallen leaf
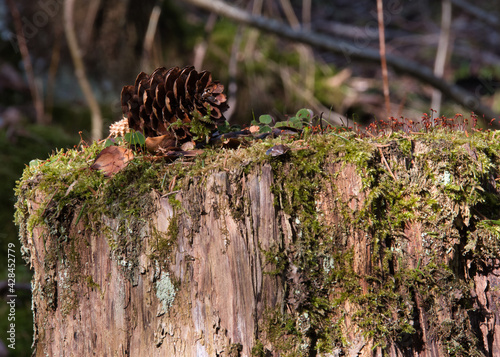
[112, 159]
[156, 143]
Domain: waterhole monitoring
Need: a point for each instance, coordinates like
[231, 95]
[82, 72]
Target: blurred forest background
[43, 107]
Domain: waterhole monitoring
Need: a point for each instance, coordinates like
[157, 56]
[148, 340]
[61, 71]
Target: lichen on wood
[338, 246]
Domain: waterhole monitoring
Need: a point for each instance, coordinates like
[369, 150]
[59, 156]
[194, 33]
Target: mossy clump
[441, 184]
[63, 192]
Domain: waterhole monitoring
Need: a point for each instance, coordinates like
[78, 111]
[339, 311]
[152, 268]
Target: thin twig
[232, 89]
[170, 193]
[383, 60]
[482, 15]
[441, 53]
[386, 164]
[305, 52]
[253, 34]
[96, 120]
[306, 14]
[51, 76]
[28, 67]
[172, 183]
[200, 49]
[150, 36]
[89, 26]
[290, 14]
[350, 51]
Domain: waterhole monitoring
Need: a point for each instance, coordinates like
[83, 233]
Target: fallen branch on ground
[350, 52]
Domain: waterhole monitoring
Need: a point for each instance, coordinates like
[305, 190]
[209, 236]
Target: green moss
[165, 243]
[484, 242]
[234, 349]
[70, 193]
[446, 186]
[92, 284]
[258, 349]
[175, 203]
[396, 197]
[277, 259]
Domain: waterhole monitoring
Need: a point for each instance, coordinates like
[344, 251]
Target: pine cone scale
[170, 96]
[205, 78]
[170, 78]
[141, 84]
[139, 78]
[190, 87]
[215, 113]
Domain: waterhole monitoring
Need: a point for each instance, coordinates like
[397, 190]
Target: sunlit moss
[447, 185]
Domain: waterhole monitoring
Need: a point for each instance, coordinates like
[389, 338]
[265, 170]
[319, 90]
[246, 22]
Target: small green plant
[264, 123]
[302, 119]
[225, 128]
[135, 138]
[198, 126]
[131, 139]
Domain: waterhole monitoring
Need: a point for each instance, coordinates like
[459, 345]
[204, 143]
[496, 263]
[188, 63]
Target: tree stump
[339, 247]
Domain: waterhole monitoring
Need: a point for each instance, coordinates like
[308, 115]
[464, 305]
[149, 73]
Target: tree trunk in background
[228, 266]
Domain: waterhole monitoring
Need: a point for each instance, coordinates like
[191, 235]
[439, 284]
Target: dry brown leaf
[112, 159]
[157, 143]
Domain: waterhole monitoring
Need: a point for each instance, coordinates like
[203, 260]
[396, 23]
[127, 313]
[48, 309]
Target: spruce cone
[175, 95]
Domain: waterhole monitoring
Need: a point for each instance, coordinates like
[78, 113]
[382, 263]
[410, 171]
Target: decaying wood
[212, 293]
[217, 263]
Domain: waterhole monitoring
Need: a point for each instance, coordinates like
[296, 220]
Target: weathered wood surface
[225, 223]
[218, 266]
